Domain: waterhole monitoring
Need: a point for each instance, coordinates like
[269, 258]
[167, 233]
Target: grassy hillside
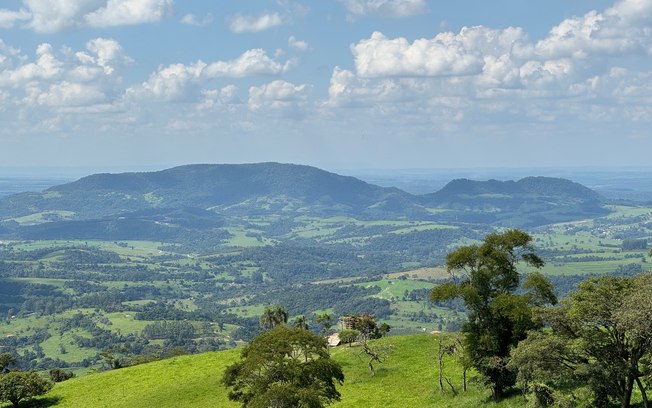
[407, 378]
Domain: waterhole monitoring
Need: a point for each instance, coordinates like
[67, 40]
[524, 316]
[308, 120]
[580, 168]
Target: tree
[59, 375]
[486, 277]
[376, 353]
[6, 360]
[16, 386]
[284, 367]
[443, 350]
[301, 322]
[366, 324]
[349, 336]
[326, 320]
[601, 337]
[273, 316]
[452, 347]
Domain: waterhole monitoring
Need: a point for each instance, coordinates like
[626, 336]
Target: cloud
[45, 67]
[129, 12]
[9, 18]
[379, 56]
[171, 82]
[66, 78]
[621, 29]
[251, 62]
[278, 97]
[225, 98]
[384, 8]
[298, 45]
[183, 82]
[59, 15]
[481, 72]
[251, 24]
[67, 94]
[191, 19]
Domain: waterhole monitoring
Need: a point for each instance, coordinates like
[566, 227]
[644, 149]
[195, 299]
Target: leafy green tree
[16, 386]
[600, 338]
[366, 324]
[349, 336]
[284, 367]
[486, 278]
[300, 322]
[59, 375]
[6, 360]
[326, 321]
[273, 316]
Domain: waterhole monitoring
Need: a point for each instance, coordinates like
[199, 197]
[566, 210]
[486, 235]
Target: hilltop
[529, 201]
[177, 203]
[407, 378]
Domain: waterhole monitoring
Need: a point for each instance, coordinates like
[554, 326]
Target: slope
[407, 378]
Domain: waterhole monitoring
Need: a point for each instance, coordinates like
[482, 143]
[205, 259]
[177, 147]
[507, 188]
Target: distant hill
[527, 202]
[169, 204]
[165, 204]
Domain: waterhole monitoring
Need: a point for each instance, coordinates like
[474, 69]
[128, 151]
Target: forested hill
[164, 205]
[526, 202]
[227, 184]
[269, 187]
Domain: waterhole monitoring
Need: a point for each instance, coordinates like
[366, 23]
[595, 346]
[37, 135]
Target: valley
[94, 277]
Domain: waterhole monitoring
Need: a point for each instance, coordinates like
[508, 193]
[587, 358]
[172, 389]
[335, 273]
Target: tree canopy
[486, 277]
[273, 316]
[16, 386]
[284, 367]
[600, 338]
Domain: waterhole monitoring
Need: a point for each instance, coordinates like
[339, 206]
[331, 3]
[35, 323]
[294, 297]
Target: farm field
[62, 292]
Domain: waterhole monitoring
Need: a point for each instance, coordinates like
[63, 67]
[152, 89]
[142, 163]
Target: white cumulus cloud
[251, 62]
[278, 97]
[251, 24]
[59, 15]
[65, 78]
[297, 44]
[8, 18]
[503, 72]
[621, 29]
[183, 82]
[129, 12]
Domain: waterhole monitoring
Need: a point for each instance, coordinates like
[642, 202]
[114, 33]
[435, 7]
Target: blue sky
[333, 83]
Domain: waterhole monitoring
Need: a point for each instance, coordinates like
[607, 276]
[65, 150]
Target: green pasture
[239, 238]
[395, 288]
[407, 378]
[43, 217]
[72, 353]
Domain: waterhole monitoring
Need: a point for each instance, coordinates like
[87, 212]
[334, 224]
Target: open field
[407, 378]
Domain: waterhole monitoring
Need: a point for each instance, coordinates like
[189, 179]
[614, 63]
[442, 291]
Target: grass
[43, 217]
[73, 353]
[408, 378]
[124, 323]
[395, 288]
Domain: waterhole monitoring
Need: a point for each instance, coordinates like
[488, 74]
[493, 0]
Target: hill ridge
[111, 205]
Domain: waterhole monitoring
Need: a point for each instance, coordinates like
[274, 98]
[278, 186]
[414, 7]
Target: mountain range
[167, 203]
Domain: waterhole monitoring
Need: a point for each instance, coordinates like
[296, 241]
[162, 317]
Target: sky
[354, 84]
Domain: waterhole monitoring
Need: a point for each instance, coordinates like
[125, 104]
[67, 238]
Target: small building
[334, 340]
